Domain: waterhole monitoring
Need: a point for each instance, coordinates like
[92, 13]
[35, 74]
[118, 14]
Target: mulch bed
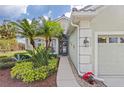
[6, 81]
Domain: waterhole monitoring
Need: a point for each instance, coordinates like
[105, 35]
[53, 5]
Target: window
[53, 45]
[39, 42]
[102, 39]
[113, 40]
[121, 39]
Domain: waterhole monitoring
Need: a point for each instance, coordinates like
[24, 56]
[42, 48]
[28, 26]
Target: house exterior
[63, 20]
[96, 40]
[41, 41]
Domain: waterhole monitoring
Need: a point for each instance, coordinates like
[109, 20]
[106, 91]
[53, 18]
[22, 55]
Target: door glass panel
[102, 39]
[113, 40]
[121, 39]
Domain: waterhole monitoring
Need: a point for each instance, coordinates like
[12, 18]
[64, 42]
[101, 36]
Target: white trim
[96, 45]
[78, 57]
[62, 17]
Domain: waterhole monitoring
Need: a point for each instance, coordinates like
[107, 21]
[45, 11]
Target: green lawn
[8, 54]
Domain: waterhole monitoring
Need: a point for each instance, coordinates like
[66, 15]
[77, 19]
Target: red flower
[87, 75]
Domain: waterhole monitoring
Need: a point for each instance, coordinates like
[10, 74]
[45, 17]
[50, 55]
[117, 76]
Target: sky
[18, 12]
[14, 12]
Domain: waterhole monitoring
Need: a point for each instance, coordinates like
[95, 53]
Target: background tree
[7, 36]
[7, 30]
[27, 29]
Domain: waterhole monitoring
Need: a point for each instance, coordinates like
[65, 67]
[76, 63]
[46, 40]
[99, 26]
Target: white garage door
[111, 55]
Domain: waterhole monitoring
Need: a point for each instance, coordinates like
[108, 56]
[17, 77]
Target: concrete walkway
[65, 76]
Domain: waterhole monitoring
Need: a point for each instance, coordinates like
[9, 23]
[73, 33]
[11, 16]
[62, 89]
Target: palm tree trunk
[49, 42]
[46, 42]
[32, 43]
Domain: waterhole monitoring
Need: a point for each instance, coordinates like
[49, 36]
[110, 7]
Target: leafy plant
[20, 68]
[21, 56]
[27, 73]
[53, 55]
[52, 66]
[39, 56]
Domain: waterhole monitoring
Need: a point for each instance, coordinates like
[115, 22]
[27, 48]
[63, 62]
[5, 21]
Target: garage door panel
[111, 59]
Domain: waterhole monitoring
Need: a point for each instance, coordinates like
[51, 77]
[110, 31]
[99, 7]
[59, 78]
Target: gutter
[77, 26]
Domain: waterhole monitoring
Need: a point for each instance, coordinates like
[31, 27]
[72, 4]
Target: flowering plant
[89, 77]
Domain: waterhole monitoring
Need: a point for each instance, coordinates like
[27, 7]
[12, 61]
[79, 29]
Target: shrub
[7, 59]
[52, 66]
[20, 68]
[25, 60]
[53, 55]
[39, 56]
[5, 65]
[27, 73]
[3, 56]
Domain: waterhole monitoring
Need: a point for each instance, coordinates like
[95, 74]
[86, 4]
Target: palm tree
[49, 29]
[27, 29]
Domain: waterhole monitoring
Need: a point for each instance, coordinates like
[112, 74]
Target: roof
[62, 17]
[88, 8]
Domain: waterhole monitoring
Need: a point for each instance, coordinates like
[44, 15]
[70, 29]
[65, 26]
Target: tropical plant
[39, 56]
[21, 56]
[27, 29]
[49, 29]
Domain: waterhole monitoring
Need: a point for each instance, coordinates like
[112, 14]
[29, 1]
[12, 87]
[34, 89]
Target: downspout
[77, 26]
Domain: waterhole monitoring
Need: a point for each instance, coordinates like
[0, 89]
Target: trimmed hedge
[5, 65]
[3, 56]
[7, 59]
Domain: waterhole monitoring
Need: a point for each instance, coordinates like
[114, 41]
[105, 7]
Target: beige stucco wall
[64, 23]
[109, 19]
[73, 48]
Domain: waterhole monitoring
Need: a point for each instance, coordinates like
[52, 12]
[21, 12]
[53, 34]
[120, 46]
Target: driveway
[113, 81]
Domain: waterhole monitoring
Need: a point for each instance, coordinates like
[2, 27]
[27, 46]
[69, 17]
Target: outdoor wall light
[86, 42]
